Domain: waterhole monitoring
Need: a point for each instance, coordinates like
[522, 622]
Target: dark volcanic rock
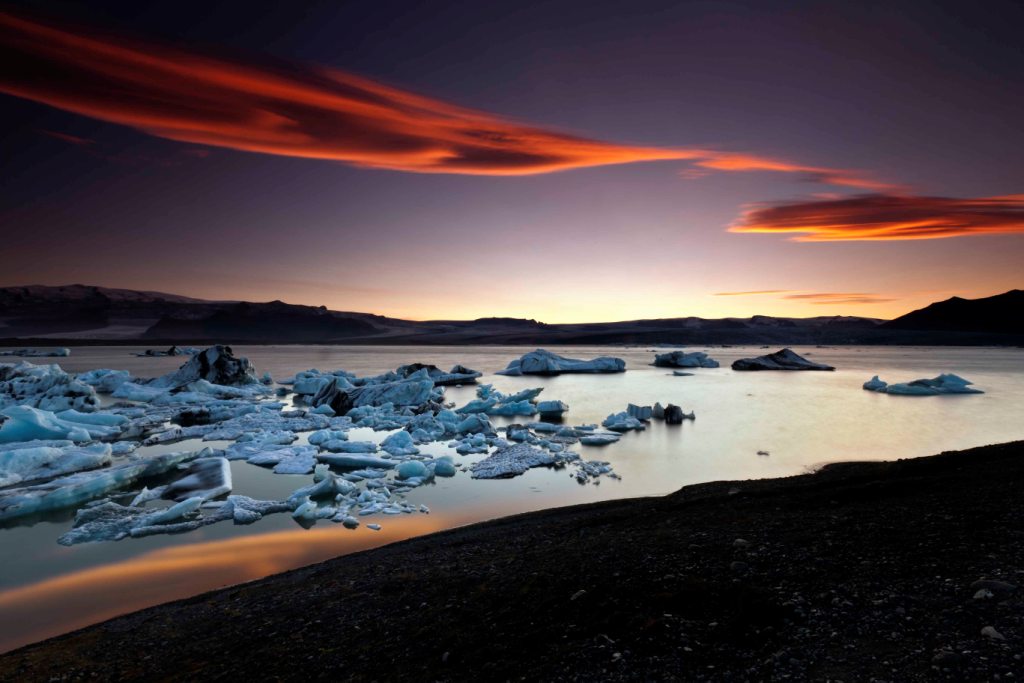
[786, 359]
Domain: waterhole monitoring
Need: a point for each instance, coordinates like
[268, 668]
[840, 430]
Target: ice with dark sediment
[684, 359]
[784, 359]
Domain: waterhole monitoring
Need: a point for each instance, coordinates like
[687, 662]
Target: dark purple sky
[467, 159]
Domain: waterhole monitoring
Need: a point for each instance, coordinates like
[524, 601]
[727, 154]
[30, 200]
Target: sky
[563, 161]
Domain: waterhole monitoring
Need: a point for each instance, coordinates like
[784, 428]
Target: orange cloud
[886, 217]
[839, 298]
[308, 112]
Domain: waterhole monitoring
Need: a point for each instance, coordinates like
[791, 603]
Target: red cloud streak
[308, 112]
[886, 217]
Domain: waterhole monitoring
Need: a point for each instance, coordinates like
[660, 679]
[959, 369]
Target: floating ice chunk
[36, 353]
[322, 436]
[875, 384]
[205, 478]
[644, 413]
[131, 391]
[172, 351]
[947, 383]
[112, 522]
[83, 486]
[355, 460]
[510, 462]
[542, 362]
[25, 423]
[684, 359]
[375, 527]
[457, 375]
[104, 381]
[599, 439]
[623, 422]
[399, 443]
[674, 415]
[216, 365]
[343, 399]
[286, 459]
[785, 359]
[476, 424]
[46, 387]
[410, 469]
[444, 466]
[28, 462]
[551, 408]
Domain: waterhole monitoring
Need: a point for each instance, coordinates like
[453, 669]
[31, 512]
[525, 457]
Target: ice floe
[946, 383]
[543, 362]
[36, 353]
[44, 386]
[684, 359]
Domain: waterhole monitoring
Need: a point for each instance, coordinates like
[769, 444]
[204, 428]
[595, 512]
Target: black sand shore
[862, 571]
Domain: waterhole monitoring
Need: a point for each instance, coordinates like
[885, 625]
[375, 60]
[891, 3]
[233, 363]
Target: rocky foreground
[897, 571]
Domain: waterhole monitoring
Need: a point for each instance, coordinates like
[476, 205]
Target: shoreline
[638, 588]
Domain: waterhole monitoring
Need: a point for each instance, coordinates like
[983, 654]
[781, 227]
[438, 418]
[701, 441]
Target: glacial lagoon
[747, 425]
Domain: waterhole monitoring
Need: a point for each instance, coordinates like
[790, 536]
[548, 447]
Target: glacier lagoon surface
[800, 420]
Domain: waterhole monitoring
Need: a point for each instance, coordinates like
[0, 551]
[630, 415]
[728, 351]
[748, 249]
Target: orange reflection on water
[64, 603]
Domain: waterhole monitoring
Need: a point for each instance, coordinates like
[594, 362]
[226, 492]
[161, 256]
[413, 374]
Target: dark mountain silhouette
[1002, 313]
[81, 314]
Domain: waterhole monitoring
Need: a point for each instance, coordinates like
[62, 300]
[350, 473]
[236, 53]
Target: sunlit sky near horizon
[564, 161]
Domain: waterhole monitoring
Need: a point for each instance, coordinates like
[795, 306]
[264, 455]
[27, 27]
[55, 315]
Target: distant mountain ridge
[1002, 313]
[88, 314]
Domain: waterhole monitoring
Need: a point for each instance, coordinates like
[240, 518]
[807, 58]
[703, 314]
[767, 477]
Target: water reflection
[64, 603]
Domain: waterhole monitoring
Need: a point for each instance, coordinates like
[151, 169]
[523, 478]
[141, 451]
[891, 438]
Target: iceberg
[36, 460]
[401, 393]
[46, 387]
[946, 383]
[684, 359]
[457, 375]
[80, 487]
[599, 439]
[37, 353]
[512, 461]
[356, 460]
[674, 415]
[543, 362]
[551, 409]
[104, 381]
[25, 423]
[622, 422]
[205, 478]
[172, 351]
[785, 359]
[398, 444]
[216, 365]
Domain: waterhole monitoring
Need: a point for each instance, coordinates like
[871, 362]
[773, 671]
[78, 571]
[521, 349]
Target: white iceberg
[543, 362]
[46, 387]
[25, 423]
[946, 383]
[36, 460]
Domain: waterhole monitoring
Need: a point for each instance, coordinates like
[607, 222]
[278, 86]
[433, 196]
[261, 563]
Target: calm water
[802, 419]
